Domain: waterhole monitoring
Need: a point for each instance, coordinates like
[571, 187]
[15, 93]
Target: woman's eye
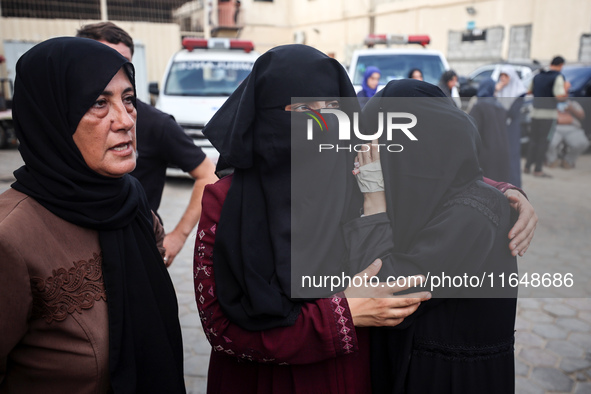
[129, 100]
[333, 104]
[100, 103]
[302, 108]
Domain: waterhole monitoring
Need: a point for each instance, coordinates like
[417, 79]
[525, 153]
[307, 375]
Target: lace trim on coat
[482, 199]
[69, 290]
[467, 353]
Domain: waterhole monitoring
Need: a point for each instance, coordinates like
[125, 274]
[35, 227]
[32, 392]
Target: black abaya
[443, 218]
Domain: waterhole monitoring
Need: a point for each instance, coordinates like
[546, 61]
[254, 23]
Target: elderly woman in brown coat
[86, 303]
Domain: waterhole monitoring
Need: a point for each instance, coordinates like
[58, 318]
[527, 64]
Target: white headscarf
[513, 89]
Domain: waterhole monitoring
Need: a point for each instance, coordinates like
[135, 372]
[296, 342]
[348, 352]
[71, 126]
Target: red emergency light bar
[191, 43]
[373, 39]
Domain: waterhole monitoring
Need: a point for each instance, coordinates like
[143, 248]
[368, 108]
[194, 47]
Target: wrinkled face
[373, 80]
[312, 105]
[416, 74]
[106, 133]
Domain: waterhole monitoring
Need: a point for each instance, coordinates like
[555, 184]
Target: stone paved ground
[553, 345]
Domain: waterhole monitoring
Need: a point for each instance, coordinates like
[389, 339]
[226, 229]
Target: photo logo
[345, 129]
[317, 121]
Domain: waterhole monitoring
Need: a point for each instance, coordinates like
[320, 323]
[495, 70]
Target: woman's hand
[368, 173]
[378, 306]
[523, 231]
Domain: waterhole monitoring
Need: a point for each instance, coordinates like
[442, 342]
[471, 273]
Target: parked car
[469, 85]
[198, 80]
[7, 134]
[579, 76]
[396, 63]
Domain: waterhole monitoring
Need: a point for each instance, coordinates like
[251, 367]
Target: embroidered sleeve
[503, 186]
[325, 326]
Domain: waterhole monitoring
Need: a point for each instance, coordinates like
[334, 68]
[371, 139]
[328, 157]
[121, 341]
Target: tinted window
[206, 78]
[482, 76]
[397, 66]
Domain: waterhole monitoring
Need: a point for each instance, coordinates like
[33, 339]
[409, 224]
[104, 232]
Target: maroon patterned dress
[321, 353]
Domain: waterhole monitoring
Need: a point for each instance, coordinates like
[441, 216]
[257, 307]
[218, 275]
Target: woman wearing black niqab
[256, 223]
[93, 235]
[443, 218]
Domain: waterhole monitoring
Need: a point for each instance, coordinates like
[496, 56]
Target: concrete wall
[334, 27]
[160, 40]
[519, 43]
[465, 56]
[553, 27]
[585, 48]
[556, 26]
[339, 27]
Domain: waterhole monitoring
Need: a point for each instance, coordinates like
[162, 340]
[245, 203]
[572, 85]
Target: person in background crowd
[448, 83]
[90, 308]
[369, 86]
[161, 141]
[415, 73]
[511, 92]
[548, 88]
[491, 121]
[569, 132]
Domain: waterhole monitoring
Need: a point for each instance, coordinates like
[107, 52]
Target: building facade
[469, 32]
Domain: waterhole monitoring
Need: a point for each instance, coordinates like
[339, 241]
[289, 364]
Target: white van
[395, 63]
[199, 79]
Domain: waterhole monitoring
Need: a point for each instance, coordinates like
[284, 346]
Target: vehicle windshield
[206, 78]
[577, 76]
[397, 66]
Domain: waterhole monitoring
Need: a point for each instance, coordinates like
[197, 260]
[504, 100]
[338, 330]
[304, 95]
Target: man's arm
[575, 109]
[560, 88]
[522, 232]
[174, 240]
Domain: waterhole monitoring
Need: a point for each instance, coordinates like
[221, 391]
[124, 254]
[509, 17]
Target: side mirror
[153, 88]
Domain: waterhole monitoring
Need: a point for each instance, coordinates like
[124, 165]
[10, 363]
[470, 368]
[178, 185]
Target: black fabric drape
[57, 81]
[254, 239]
[491, 120]
[427, 172]
[444, 218]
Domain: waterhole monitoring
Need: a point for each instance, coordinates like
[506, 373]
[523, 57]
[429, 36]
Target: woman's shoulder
[16, 204]
[483, 198]
[214, 196]
[219, 189]
[23, 218]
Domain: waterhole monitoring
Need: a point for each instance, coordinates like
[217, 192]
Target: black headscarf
[486, 88]
[57, 81]
[254, 238]
[442, 162]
